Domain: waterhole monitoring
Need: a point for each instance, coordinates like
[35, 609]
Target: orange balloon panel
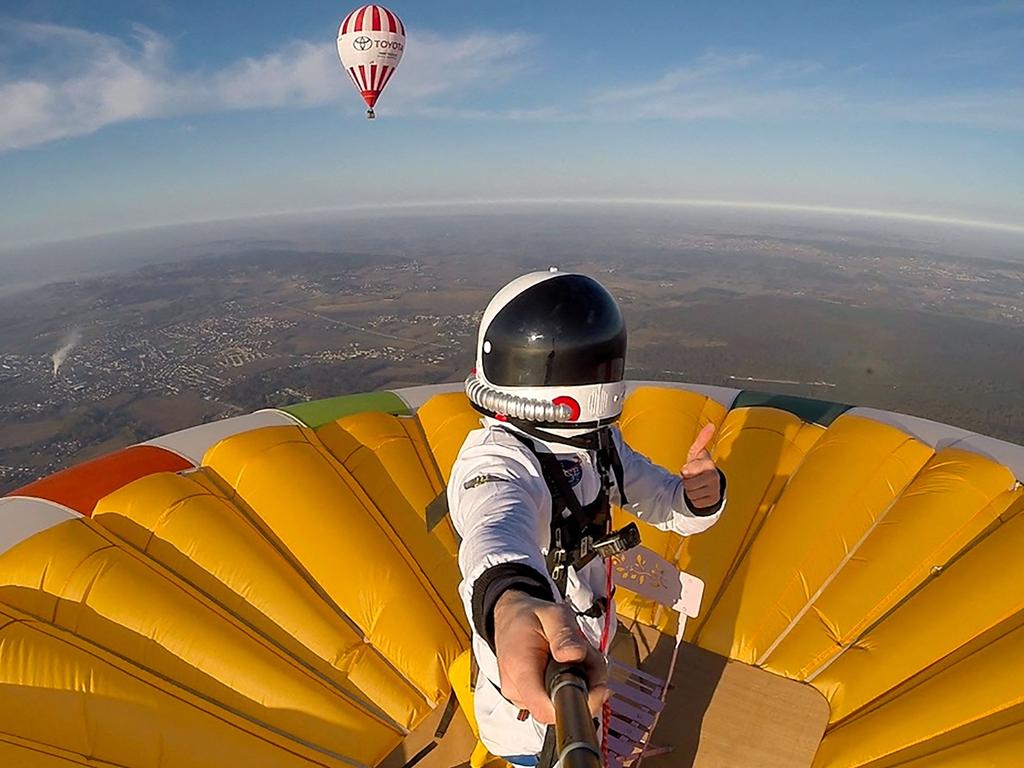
[81, 486]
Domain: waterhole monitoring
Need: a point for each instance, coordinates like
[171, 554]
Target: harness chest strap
[572, 534]
[575, 526]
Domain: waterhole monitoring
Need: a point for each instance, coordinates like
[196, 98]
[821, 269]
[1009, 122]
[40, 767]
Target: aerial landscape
[512, 385]
[840, 314]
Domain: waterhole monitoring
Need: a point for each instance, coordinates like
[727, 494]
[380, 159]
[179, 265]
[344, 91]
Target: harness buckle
[617, 542]
[586, 544]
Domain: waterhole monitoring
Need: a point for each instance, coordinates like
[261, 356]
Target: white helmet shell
[551, 350]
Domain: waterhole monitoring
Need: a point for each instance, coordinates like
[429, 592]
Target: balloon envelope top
[263, 591]
[371, 41]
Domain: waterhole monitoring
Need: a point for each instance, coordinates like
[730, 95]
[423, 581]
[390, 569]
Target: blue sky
[119, 115]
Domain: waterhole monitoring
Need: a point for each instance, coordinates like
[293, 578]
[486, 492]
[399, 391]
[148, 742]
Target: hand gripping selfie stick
[575, 735]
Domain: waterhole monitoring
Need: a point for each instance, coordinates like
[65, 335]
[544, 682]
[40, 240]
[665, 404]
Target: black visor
[565, 331]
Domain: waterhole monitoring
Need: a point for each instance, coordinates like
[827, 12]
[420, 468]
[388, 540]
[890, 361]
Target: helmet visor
[566, 331]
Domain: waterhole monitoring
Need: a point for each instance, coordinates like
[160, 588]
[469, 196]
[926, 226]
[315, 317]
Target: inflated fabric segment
[71, 702]
[318, 412]
[978, 695]
[193, 442]
[445, 529]
[414, 397]
[23, 754]
[1002, 747]
[724, 396]
[21, 518]
[81, 579]
[952, 500]
[843, 487]
[446, 420]
[758, 449]
[209, 540]
[336, 535]
[961, 608]
[377, 451]
[414, 430]
[947, 436]
[81, 486]
[661, 423]
[459, 675]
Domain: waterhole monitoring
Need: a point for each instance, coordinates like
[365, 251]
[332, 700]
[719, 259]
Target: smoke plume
[70, 342]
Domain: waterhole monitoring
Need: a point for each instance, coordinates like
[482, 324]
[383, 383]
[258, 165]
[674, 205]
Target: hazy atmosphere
[381, 384]
[196, 220]
[122, 115]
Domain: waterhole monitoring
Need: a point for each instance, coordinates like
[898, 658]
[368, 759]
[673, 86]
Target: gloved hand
[527, 633]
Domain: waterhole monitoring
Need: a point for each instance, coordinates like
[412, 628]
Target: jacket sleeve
[656, 495]
[500, 506]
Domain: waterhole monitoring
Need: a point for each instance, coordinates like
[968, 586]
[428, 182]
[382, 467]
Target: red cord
[607, 610]
[606, 710]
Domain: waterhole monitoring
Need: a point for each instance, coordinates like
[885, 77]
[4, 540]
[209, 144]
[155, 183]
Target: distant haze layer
[199, 322]
[400, 229]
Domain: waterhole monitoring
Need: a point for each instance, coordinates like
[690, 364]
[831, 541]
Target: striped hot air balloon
[371, 41]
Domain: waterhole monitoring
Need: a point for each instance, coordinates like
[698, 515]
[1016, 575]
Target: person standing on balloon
[530, 495]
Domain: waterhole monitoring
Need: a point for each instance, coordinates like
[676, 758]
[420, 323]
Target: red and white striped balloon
[371, 41]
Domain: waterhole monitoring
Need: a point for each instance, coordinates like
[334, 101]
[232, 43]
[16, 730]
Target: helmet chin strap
[600, 441]
[589, 441]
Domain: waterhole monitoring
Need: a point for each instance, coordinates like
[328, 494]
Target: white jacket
[501, 507]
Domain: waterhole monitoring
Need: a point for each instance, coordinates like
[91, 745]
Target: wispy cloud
[78, 82]
[999, 109]
[960, 14]
[958, 38]
[721, 86]
[435, 66]
[98, 80]
[750, 86]
[300, 74]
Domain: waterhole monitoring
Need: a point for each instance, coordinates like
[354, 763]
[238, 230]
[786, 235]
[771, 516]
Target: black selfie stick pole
[575, 735]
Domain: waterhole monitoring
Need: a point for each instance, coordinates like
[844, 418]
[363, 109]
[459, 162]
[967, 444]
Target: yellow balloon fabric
[284, 604]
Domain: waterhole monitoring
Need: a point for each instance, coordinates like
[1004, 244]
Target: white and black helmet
[551, 351]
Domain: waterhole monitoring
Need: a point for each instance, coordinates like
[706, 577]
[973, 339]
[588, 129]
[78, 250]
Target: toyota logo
[362, 43]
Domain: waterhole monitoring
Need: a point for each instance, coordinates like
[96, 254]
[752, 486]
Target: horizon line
[684, 202]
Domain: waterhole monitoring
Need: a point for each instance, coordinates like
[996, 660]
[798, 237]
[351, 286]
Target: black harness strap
[575, 526]
[548, 754]
[447, 715]
[420, 755]
[439, 732]
[437, 510]
[600, 442]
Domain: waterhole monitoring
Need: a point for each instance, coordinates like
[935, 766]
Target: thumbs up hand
[701, 480]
